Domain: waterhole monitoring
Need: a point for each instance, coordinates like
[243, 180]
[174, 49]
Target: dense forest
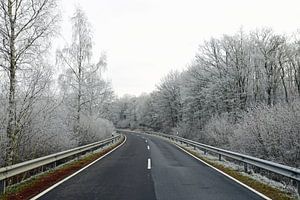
[241, 92]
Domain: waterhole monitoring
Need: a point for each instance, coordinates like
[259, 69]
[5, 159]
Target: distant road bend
[147, 167]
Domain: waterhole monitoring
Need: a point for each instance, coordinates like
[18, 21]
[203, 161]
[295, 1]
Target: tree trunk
[283, 82]
[269, 95]
[11, 129]
[79, 95]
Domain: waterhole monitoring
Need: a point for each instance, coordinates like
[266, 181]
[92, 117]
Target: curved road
[147, 167]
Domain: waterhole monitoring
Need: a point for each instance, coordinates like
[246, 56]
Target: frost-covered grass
[266, 186]
[38, 183]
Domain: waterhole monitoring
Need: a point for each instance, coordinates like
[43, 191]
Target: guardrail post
[220, 157]
[298, 187]
[2, 186]
[246, 167]
[205, 152]
[194, 147]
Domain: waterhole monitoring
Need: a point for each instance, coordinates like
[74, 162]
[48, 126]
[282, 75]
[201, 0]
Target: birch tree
[25, 27]
[81, 81]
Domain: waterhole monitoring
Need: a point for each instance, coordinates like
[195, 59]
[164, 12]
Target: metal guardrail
[290, 172]
[13, 170]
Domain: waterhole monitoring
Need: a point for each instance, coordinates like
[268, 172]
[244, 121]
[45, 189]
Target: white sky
[145, 39]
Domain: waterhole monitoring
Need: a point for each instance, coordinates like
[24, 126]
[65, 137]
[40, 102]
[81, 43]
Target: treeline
[46, 107]
[241, 92]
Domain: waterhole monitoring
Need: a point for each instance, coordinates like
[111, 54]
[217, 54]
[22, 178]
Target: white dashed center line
[148, 147]
[149, 163]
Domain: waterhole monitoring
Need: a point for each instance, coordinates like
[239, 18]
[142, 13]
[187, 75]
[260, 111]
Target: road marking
[230, 177]
[65, 179]
[148, 147]
[146, 141]
[149, 163]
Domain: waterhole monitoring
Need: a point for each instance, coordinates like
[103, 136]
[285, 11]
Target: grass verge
[269, 191]
[39, 183]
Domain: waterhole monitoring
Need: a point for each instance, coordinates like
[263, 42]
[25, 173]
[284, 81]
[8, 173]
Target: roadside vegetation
[268, 190]
[48, 106]
[240, 92]
[30, 188]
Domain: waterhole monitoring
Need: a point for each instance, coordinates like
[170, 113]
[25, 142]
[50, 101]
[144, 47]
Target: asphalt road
[147, 167]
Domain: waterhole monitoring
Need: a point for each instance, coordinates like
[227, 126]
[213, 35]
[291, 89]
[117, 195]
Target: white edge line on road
[237, 181]
[149, 163]
[65, 179]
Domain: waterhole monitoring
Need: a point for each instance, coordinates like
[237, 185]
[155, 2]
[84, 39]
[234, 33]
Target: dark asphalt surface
[174, 175]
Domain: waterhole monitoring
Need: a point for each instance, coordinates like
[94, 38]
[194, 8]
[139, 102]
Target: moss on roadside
[37, 184]
[269, 191]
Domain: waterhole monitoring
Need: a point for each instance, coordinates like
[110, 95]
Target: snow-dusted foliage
[26, 27]
[241, 92]
[40, 115]
[219, 130]
[94, 129]
[160, 110]
[85, 92]
[270, 132]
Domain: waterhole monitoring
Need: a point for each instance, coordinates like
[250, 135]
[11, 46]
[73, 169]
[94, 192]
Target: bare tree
[82, 81]
[267, 45]
[25, 26]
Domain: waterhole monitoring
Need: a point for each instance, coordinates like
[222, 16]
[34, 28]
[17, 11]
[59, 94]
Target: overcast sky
[145, 39]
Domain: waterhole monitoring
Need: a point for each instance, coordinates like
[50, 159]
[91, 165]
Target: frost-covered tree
[267, 46]
[25, 27]
[241, 92]
[83, 87]
[167, 101]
